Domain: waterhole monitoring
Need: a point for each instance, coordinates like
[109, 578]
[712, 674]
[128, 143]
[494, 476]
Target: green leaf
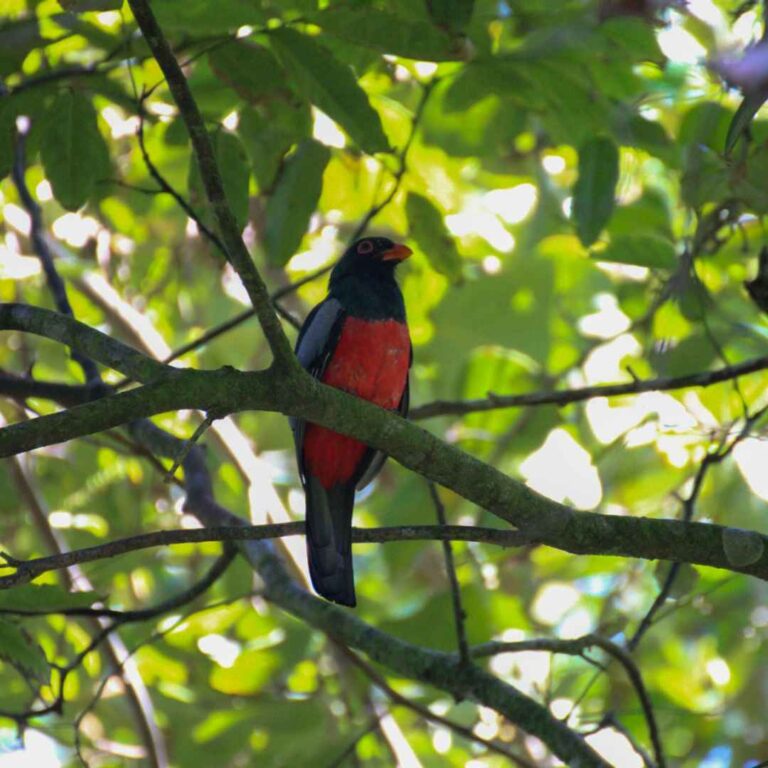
[705, 176]
[743, 117]
[250, 70]
[427, 228]
[81, 6]
[203, 16]
[17, 649]
[331, 86]
[640, 250]
[74, 152]
[235, 174]
[294, 200]
[382, 31]
[251, 671]
[44, 597]
[593, 193]
[451, 14]
[17, 38]
[269, 132]
[638, 131]
[7, 115]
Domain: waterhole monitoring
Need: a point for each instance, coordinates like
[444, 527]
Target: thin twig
[166, 187]
[43, 252]
[360, 229]
[187, 447]
[459, 615]
[428, 714]
[579, 394]
[689, 503]
[157, 634]
[118, 619]
[371, 726]
[237, 253]
[27, 570]
[577, 647]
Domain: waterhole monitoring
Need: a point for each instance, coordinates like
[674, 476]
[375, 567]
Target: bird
[356, 340]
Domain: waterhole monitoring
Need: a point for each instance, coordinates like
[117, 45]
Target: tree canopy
[564, 562]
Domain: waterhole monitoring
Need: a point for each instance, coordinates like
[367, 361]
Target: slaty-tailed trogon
[356, 340]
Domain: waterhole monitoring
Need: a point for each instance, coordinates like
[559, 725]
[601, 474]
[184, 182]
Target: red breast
[371, 361]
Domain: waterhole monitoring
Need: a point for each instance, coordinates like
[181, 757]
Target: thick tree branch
[566, 397]
[86, 340]
[22, 388]
[440, 669]
[230, 234]
[542, 520]
[397, 698]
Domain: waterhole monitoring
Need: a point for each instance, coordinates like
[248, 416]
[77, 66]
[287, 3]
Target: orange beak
[398, 253]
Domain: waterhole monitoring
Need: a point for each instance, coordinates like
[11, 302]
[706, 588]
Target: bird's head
[373, 257]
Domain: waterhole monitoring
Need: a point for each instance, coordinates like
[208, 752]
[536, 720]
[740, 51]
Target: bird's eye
[365, 247]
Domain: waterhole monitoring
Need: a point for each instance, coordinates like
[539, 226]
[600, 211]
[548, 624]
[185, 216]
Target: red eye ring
[365, 247]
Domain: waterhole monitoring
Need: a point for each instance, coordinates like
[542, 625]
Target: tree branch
[166, 187]
[227, 390]
[440, 669]
[55, 283]
[27, 570]
[237, 252]
[566, 397]
[459, 615]
[716, 456]
[86, 340]
[577, 647]
[22, 388]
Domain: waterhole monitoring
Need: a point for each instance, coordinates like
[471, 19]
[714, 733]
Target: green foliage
[249, 69]
[6, 139]
[594, 191]
[18, 650]
[44, 597]
[74, 153]
[294, 200]
[642, 250]
[585, 201]
[386, 32]
[434, 240]
[330, 86]
[235, 175]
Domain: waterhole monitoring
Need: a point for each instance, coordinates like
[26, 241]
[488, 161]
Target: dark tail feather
[329, 540]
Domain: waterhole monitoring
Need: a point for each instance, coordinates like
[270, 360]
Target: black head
[371, 257]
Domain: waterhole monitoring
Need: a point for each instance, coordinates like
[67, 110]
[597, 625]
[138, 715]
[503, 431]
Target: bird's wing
[318, 336]
[316, 342]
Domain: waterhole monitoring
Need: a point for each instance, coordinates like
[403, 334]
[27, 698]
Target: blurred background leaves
[584, 198]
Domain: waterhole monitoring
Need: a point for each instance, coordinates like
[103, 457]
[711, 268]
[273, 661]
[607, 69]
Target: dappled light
[563, 561]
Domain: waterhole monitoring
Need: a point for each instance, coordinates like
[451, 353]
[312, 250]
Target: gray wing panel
[315, 334]
[315, 343]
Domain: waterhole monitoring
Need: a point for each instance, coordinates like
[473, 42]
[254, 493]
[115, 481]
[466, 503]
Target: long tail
[329, 540]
